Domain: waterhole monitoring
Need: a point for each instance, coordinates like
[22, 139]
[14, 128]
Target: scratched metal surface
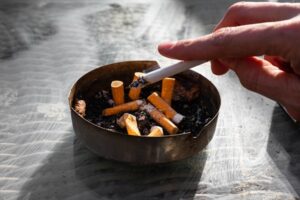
[46, 45]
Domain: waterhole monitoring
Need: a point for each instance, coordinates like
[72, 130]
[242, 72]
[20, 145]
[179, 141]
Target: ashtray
[110, 142]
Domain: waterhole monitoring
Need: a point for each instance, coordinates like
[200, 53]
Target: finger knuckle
[237, 8]
[288, 30]
[222, 37]
[293, 27]
[183, 43]
[284, 39]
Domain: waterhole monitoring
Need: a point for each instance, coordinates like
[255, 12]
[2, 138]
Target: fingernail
[166, 45]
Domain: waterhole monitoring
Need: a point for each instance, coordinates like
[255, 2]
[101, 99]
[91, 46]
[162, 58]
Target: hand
[249, 30]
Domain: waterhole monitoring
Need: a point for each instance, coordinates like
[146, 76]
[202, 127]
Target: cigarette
[130, 106]
[134, 92]
[156, 131]
[167, 89]
[129, 121]
[117, 88]
[160, 118]
[164, 107]
[80, 107]
[162, 72]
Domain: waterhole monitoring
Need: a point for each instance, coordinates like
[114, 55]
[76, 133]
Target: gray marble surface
[45, 45]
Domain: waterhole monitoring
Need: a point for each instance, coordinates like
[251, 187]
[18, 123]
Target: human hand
[249, 30]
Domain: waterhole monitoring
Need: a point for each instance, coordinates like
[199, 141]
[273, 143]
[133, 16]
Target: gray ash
[196, 115]
[138, 83]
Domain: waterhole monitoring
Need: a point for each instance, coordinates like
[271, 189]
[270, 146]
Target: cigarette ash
[145, 122]
[138, 83]
[195, 109]
[94, 107]
[196, 115]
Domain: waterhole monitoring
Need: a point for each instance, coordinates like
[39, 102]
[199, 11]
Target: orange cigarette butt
[80, 107]
[134, 92]
[156, 131]
[161, 119]
[164, 107]
[131, 125]
[167, 89]
[130, 106]
[129, 121]
[117, 88]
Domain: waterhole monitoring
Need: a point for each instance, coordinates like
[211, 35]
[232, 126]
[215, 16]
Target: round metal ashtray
[140, 149]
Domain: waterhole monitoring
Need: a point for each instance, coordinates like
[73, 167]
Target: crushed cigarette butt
[129, 121]
[156, 131]
[80, 107]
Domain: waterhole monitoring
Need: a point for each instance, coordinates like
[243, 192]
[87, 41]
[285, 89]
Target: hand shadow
[116, 180]
[284, 147]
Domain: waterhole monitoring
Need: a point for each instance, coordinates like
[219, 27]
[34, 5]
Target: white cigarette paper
[171, 70]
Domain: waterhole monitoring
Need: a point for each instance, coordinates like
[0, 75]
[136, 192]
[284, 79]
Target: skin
[249, 30]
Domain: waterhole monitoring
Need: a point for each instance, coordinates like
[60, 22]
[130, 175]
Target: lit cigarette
[167, 89]
[129, 121]
[134, 92]
[160, 118]
[164, 107]
[117, 88]
[80, 107]
[130, 106]
[162, 72]
[156, 131]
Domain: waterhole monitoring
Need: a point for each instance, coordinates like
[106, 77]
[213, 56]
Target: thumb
[262, 77]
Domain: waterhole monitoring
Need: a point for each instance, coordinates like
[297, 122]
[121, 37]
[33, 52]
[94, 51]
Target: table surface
[45, 46]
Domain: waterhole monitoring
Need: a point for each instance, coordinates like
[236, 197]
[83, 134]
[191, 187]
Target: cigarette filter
[130, 106]
[131, 125]
[164, 107]
[156, 131]
[117, 88]
[167, 89]
[161, 119]
[134, 92]
[129, 121]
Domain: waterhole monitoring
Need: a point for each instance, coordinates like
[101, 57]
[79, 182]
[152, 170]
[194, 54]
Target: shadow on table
[284, 147]
[115, 180]
[73, 172]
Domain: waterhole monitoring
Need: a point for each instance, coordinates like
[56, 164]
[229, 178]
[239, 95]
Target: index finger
[247, 40]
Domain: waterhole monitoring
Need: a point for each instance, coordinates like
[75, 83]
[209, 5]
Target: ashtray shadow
[117, 180]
